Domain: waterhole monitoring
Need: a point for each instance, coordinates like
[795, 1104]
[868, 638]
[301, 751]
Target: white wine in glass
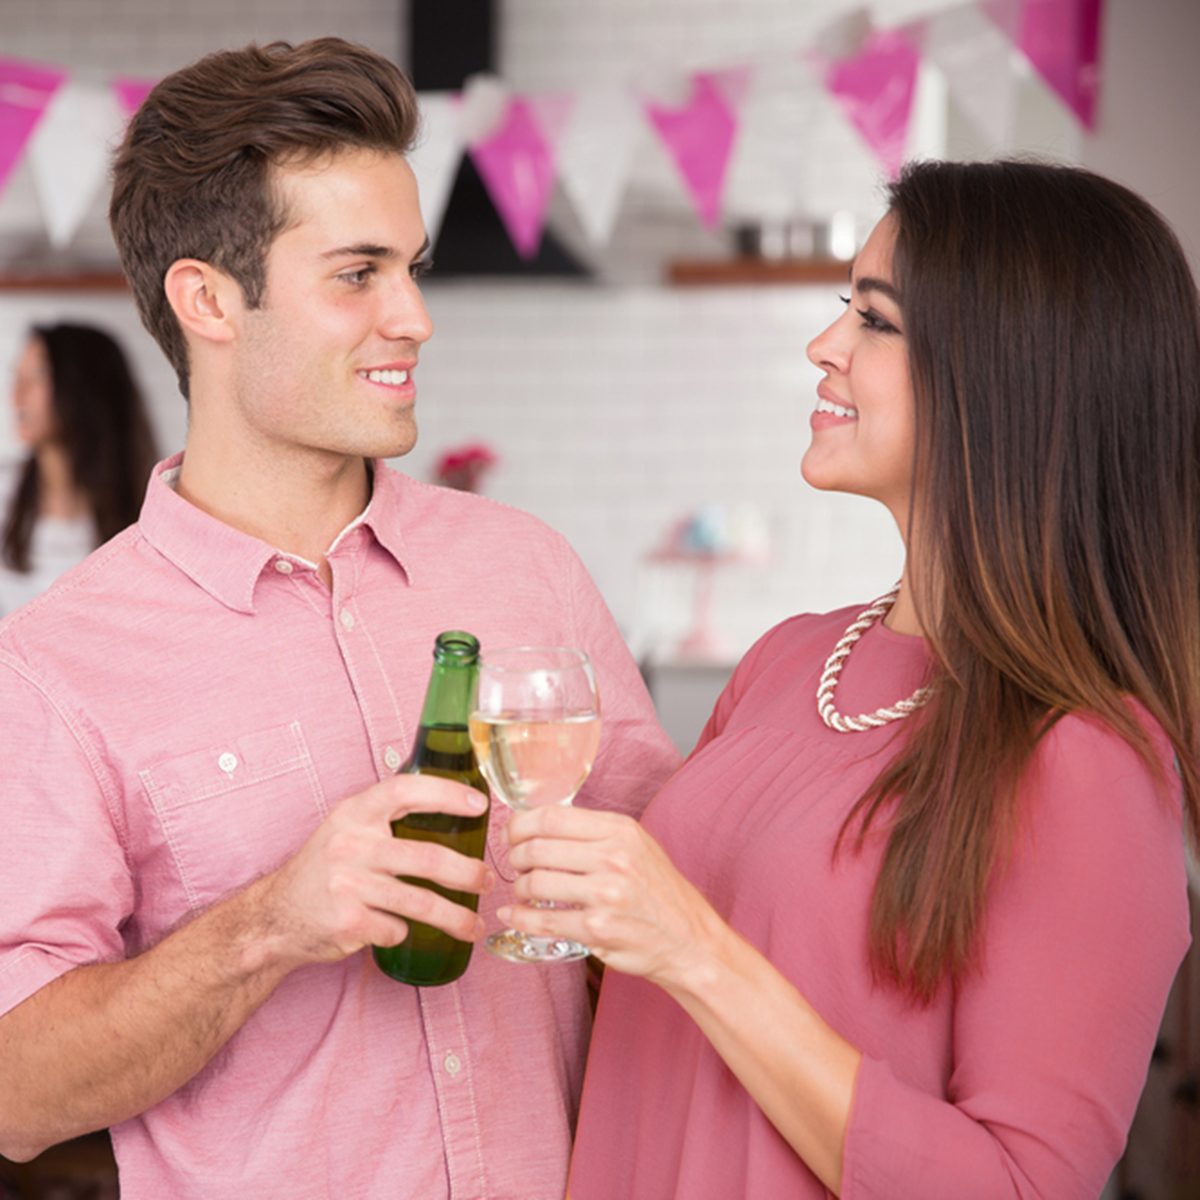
[535, 728]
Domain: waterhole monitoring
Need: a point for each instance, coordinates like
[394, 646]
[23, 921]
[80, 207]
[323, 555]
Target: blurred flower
[464, 466]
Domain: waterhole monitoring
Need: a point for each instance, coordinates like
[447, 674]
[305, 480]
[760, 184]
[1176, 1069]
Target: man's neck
[298, 505]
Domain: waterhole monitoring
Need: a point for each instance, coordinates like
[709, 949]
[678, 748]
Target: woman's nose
[827, 350]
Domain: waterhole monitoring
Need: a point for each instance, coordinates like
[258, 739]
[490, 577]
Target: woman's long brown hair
[104, 428]
[1053, 336]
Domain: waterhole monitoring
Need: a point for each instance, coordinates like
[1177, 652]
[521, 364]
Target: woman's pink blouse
[1020, 1082]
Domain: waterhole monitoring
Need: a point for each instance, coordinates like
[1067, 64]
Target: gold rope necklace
[833, 668]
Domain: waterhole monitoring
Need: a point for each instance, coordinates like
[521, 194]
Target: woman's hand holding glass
[615, 890]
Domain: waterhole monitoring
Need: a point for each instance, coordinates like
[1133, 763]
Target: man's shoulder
[81, 596]
[440, 515]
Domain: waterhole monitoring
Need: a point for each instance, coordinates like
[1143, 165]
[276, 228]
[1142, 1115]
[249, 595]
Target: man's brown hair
[192, 178]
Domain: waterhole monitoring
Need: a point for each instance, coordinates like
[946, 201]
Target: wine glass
[535, 728]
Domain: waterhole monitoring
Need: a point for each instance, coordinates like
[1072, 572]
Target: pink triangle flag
[131, 92]
[26, 90]
[875, 90]
[516, 163]
[699, 135]
[1062, 40]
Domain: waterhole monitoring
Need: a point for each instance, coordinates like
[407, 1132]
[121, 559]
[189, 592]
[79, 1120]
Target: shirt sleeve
[636, 757]
[1086, 928]
[731, 694]
[65, 887]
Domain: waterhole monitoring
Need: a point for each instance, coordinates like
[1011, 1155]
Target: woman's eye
[873, 321]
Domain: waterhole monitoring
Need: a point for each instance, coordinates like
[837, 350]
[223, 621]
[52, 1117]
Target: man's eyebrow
[360, 250]
[372, 250]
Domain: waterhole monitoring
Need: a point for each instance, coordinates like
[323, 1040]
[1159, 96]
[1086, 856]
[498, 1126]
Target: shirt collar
[226, 562]
[384, 514]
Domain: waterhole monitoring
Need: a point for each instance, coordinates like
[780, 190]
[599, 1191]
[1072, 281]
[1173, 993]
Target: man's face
[326, 364]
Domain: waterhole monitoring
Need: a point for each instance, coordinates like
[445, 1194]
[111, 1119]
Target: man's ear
[206, 302]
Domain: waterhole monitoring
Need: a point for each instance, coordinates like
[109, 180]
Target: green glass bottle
[428, 957]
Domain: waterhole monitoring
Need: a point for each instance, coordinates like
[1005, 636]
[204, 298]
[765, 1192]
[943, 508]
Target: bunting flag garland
[699, 135]
[132, 92]
[516, 164]
[977, 61]
[435, 157]
[1061, 38]
[595, 157]
[26, 90]
[875, 89]
[68, 155]
[1020, 71]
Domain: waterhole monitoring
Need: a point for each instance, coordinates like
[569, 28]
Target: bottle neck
[451, 690]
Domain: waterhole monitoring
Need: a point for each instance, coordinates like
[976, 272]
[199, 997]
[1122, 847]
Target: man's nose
[405, 317]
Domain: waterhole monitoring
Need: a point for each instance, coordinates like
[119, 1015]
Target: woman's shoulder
[797, 639]
[798, 633]
[1086, 747]
[1088, 783]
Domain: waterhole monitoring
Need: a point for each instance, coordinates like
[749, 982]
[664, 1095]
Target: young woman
[79, 412]
[905, 923]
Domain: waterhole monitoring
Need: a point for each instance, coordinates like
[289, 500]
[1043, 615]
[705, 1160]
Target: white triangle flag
[435, 158]
[928, 124]
[767, 166]
[595, 157]
[68, 155]
[977, 61]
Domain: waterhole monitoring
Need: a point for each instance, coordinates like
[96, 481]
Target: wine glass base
[520, 947]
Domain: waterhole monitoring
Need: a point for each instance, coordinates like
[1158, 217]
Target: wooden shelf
[734, 272]
[79, 281]
[741, 272]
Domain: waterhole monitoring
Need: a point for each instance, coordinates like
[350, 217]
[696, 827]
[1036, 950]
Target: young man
[200, 725]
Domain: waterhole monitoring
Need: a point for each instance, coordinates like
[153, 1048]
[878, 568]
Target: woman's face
[863, 428]
[33, 396]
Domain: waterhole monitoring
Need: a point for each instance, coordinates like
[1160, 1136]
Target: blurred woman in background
[80, 413]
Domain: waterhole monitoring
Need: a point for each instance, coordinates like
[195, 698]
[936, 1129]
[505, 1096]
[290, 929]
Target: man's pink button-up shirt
[176, 717]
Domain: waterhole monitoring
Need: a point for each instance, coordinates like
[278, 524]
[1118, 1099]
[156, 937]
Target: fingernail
[478, 801]
[504, 914]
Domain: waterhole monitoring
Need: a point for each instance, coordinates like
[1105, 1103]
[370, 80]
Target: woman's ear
[206, 302]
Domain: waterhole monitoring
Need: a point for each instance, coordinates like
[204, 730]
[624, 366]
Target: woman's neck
[902, 616]
[58, 496]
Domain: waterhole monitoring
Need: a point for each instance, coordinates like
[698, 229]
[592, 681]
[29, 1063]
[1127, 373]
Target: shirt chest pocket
[235, 810]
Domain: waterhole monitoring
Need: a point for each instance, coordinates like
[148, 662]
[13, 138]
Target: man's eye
[357, 278]
[421, 267]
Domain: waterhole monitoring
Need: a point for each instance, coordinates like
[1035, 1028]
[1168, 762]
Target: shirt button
[347, 619]
[283, 566]
[452, 1063]
[228, 762]
[392, 758]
